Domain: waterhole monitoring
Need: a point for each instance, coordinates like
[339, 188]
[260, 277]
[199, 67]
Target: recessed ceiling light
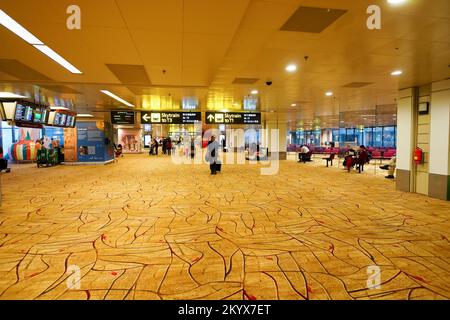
[293, 105]
[396, 73]
[112, 95]
[254, 92]
[57, 58]
[84, 115]
[329, 94]
[396, 1]
[16, 28]
[10, 95]
[291, 68]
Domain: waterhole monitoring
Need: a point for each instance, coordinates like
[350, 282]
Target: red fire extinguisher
[418, 155]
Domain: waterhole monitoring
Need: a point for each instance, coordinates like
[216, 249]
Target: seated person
[3, 162]
[391, 166]
[305, 154]
[349, 158]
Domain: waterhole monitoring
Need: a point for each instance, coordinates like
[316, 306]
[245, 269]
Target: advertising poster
[92, 143]
[130, 140]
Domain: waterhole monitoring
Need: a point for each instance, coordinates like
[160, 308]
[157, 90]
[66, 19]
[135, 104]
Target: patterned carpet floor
[145, 228]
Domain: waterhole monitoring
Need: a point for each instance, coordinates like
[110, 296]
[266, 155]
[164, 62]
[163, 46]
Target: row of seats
[376, 153]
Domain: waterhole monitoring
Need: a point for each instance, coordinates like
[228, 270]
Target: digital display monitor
[57, 119]
[24, 113]
[62, 120]
[40, 115]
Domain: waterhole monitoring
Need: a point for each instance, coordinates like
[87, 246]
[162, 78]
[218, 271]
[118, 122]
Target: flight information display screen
[24, 113]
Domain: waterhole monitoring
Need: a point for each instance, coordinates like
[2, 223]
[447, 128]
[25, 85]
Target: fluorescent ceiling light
[57, 58]
[396, 73]
[291, 68]
[16, 28]
[10, 95]
[112, 95]
[59, 108]
[254, 92]
[329, 94]
[396, 1]
[84, 115]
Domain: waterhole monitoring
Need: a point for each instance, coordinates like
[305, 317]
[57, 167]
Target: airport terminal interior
[225, 150]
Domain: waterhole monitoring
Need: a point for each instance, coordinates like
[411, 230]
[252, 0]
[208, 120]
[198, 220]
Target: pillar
[275, 120]
[439, 172]
[405, 139]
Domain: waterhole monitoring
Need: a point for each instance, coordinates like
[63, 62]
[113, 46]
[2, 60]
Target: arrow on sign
[211, 117]
[146, 117]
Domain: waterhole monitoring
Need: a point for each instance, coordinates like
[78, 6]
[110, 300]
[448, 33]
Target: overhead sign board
[233, 118]
[122, 117]
[170, 117]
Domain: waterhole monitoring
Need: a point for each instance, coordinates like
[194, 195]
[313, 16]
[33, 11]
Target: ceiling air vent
[130, 74]
[21, 71]
[357, 84]
[245, 81]
[310, 19]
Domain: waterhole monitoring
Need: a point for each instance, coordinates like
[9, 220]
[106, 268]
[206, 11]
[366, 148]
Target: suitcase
[218, 167]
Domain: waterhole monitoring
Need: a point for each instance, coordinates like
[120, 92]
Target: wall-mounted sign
[170, 117]
[122, 117]
[233, 118]
[423, 107]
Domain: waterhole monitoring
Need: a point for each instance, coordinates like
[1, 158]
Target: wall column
[276, 121]
[405, 139]
[439, 171]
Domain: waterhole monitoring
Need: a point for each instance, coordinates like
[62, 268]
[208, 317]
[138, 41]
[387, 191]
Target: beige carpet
[144, 228]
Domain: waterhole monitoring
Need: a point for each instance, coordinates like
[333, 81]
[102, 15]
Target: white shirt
[304, 149]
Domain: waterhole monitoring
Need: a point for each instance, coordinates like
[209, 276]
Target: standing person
[156, 145]
[169, 146]
[164, 145]
[212, 155]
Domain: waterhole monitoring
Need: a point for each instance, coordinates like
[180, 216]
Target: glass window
[335, 135]
[350, 135]
[378, 137]
[389, 137]
[368, 137]
[342, 136]
[359, 133]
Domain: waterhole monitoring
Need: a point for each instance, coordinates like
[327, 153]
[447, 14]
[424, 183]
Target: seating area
[376, 153]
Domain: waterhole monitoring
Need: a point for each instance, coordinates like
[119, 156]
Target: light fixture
[396, 1]
[23, 33]
[58, 108]
[14, 27]
[10, 95]
[57, 58]
[112, 95]
[293, 105]
[254, 92]
[329, 94]
[84, 115]
[396, 73]
[291, 68]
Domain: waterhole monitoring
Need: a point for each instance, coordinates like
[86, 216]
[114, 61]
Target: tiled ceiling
[142, 49]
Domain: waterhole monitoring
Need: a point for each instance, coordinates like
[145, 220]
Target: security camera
[268, 82]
